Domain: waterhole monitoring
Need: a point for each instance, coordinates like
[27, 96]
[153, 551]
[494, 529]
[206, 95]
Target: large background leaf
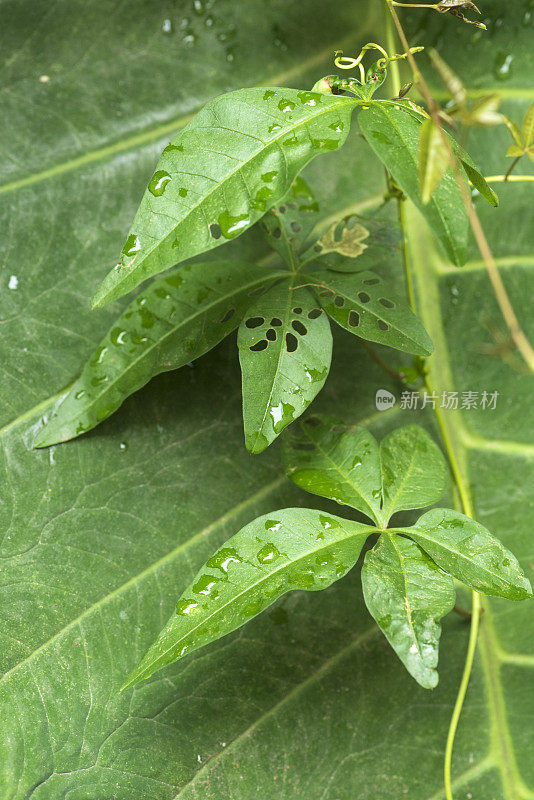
[102, 534]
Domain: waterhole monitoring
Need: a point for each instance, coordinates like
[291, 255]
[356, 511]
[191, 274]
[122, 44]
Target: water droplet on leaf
[159, 182]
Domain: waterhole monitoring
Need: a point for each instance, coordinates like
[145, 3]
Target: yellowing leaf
[515, 151]
[348, 242]
[514, 130]
[528, 126]
[484, 112]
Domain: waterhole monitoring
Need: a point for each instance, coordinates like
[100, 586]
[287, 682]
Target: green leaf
[479, 182]
[222, 172]
[527, 128]
[515, 151]
[288, 224]
[468, 551]
[393, 135]
[101, 534]
[285, 348]
[326, 457]
[364, 305]
[294, 548]
[414, 472]
[433, 159]
[176, 320]
[407, 594]
[514, 130]
[473, 173]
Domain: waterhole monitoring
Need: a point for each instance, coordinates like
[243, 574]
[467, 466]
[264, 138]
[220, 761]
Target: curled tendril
[347, 62]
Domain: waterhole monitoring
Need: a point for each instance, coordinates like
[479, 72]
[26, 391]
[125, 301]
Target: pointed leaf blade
[414, 472]
[515, 151]
[364, 305]
[514, 130]
[295, 548]
[468, 551]
[394, 136]
[407, 594]
[285, 349]
[473, 173]
[177, 319]
[433, 159]
[326, 457]
[479, 182]
[527, 128]
[222, 172]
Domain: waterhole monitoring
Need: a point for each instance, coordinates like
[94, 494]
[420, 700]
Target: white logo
[384, 399]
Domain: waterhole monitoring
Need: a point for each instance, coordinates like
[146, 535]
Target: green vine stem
[516, 332]
[467, 507]
[462, 489]
[509, 178]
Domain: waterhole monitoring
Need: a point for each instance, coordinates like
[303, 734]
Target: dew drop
[185, 607]
[118, 336]
[223, 558]
[98, 380]
[268, 554]
[132, 246]
[206, 585]
[282, 414]
[231, 226]
[502, 66]
[273, 525]
[286, 105]
[99, 355]
[159, 182]
[308, 98]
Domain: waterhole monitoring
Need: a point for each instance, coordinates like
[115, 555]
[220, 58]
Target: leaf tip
[431, 680]
[44, 439]
[98, 300]
[524, 588]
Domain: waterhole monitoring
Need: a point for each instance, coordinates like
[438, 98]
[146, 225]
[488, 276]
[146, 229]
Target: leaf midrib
[373, 514]
[280, 343]
[275, 140]
[427, 279]
[407, 599]
[362, 306]
[386, 512]
[420, 533]
[157, 343]
[264, 576]
[301, 687]
[153, 134]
